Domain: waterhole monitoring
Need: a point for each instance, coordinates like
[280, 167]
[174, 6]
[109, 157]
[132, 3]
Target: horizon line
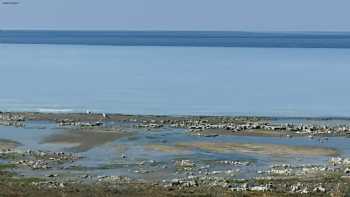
[173, 30]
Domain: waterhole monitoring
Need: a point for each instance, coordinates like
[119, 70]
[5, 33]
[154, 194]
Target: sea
[292, 74]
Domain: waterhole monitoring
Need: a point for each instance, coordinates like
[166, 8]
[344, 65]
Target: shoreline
[207, 126]
[114, 114]
[37, 115]
[33, 115]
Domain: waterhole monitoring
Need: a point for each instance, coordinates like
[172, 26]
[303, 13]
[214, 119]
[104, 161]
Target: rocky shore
[197, 125]
[33, 172]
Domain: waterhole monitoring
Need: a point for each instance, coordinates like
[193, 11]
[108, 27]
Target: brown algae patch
[82, 140]
[167, 149]
[270, 149]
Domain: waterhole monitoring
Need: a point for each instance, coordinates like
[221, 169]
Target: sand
[269, 149]
[82, 140]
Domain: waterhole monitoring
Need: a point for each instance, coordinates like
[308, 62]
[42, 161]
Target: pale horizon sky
[223, 15]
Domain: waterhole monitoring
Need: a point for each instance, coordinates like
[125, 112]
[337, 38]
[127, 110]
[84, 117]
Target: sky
[230, 15]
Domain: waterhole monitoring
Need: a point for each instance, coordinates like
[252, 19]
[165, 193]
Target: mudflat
[167, 148]
[85, 139]
[271, 149]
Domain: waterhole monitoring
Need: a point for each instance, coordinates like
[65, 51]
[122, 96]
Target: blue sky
[243, 15]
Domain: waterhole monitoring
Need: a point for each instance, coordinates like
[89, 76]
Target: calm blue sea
[182, 38]
[214, 73]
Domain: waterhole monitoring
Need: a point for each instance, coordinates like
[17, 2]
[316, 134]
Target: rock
[319, 189]
[347, 171]
[216, 172]
[61, 185]
[346, 161]
[296, 188]
[119, 179]
[260, 188]
[42, 154]
[243, 187]
[152, 161]
[175, 182]
[185, 163]
[192, 183]
[305, 191]
[336, 160]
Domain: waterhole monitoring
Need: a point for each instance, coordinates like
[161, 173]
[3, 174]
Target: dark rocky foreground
[12, 185]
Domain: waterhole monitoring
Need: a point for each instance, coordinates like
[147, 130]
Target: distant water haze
[175, 80]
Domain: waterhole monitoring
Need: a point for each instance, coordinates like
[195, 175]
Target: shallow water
[175, 80]
[106, 159]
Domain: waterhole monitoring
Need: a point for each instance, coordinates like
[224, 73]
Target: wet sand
[167, 149]
[269, 149]
[260, 133]
[85, 139]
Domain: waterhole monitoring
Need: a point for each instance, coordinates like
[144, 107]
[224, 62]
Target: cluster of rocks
[34, 164]
[242, 185]
[235, 163]
[212, 178]
[341, 164]
[340, 161]
[52, 156]
[195, 174]
[185, 164]
[222, 167]
[318, 130]
[306, 189]
[181, 183]
[227, 126]
[288, 170]
[209, 181]
[300, 129]
[114, 179]
[188, 122]
[10, 119]
[49, 184]
[39, 159]
[149, 125]
[247, 187]
[73, 123]
[194, 181]
[236, 124]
